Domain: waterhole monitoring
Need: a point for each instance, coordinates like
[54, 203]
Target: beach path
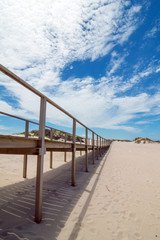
[118, 199]
[125, 203]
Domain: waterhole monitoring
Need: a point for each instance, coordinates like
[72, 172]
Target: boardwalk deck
[38, 146]
[20, 145]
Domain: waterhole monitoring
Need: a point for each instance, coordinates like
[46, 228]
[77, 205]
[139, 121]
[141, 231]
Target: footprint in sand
[138, 236]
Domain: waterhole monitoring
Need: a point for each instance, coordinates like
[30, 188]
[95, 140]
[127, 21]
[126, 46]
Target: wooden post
[104, 143]
[25, 166]
[86, 150]
[80, 143]
[40, 160]
[100, 147]
[25, 156]
[97, 147]
[51, 159]
[65, 154]
[51, 133]
[93, 152]
[73, 152]
[51, 153]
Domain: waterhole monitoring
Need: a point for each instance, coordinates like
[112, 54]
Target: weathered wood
[80, 151]
[86, 150]
[73, 153]
[57, 144]
[56, 149]
[17, 142]
[21, 145]
[20, 151]
[93, 151]
[40, 160]
[65, 154]
[25, 166]
[100, 151]
[25, 156]
[51, 159]
[51, 154]
[97, 148]
[51, 133]
[27, 129]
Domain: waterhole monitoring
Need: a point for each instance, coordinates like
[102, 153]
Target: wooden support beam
[93, 151]
[51, 133]
[25, 166]
[51, 159]
[51, 154]
[100, 153]
[65, 154]
[73, 153]
[20, 151]
[97, 148]
[25, 156]
[56, 149]
[80, 151]
[40, 160]
[86, 150]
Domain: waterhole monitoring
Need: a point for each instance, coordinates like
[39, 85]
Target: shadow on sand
[59, 198]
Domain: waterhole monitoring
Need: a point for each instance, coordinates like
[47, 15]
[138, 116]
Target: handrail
[27, 120]
[32, 89]
[24, 119]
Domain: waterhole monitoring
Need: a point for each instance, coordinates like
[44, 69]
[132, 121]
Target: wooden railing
[97, 142]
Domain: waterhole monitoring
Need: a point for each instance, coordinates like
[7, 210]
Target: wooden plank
[20, 151]
[54, 149]
[17, 142]
[57, 144]
[20, 145]
[81, 149]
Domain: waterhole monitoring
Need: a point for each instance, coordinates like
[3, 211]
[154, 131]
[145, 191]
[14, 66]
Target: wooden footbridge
[27, 145]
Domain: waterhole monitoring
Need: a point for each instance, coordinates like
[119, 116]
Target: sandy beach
[118, 199]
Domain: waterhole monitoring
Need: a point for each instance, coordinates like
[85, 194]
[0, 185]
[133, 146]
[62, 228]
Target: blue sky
[100, 60]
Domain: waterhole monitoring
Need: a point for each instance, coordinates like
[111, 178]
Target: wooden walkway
[38, 146]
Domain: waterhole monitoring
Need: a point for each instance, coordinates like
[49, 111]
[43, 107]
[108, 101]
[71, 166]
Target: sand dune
[118, 199]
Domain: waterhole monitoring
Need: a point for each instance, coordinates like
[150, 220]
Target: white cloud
[51, 34]
[115, 63]
[41, 37]
[152, 33]
[138, 75]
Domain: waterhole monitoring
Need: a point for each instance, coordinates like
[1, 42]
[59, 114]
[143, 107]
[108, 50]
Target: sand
[119, 198]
